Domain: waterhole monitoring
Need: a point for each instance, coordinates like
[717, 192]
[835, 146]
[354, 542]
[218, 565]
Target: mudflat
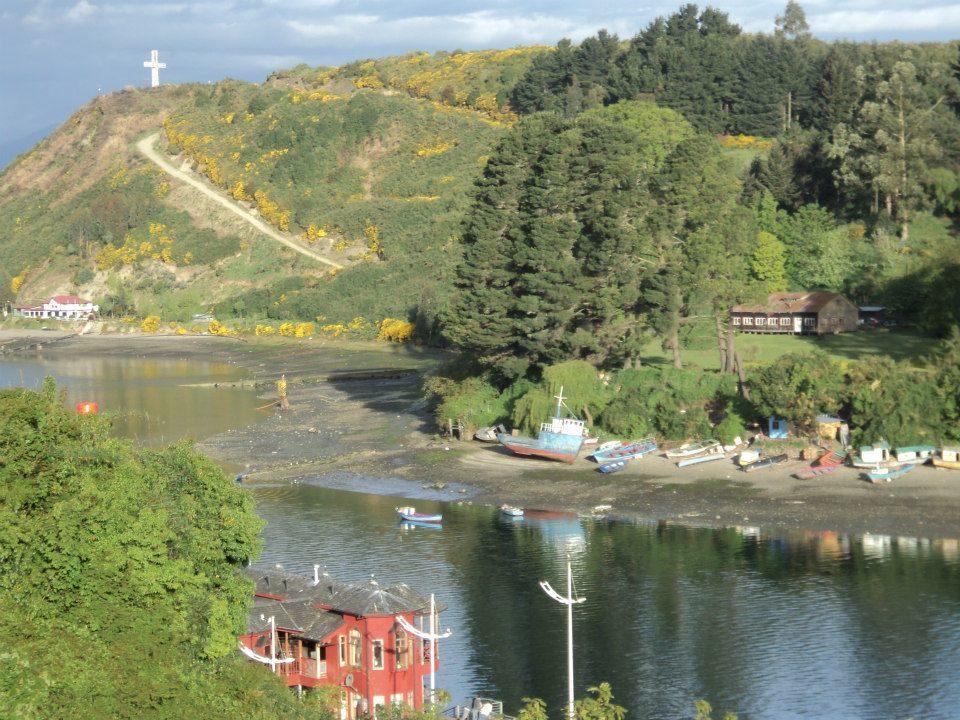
[357, 420]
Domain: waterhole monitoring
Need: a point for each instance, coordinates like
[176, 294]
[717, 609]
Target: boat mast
[569, 601]
[559, 401]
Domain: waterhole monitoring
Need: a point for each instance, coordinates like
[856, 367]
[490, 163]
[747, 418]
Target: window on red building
[376, 647]
[354, 647]
[402, 650]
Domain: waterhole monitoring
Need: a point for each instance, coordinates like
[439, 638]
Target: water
[152, 401]
[809, 625]
[801, 626]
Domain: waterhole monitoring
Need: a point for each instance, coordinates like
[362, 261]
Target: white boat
[609, 445]
[701, 459]
[511, 511]
[693, 448]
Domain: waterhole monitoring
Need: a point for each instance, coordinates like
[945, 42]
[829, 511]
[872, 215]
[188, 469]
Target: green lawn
[897, 344]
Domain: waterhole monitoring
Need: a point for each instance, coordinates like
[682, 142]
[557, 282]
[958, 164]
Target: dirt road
[146, 148]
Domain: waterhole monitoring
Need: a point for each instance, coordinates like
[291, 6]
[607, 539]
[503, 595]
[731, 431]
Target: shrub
[798, 387]
[150, 324]
[395, 330]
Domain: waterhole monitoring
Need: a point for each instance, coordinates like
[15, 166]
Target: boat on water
[612, 466]
[559, 439]
[765, 462]
[826, 463]
[947, 458]
[701, 459]
[880, 474]
[628, 451]
[693, 448]
[409, 514]
[511, 511]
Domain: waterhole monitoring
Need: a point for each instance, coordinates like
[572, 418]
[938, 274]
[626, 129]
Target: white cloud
[880, 20]
[483, 28]
[81, 11]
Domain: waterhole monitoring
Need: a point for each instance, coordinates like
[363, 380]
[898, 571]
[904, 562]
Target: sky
[57, 54]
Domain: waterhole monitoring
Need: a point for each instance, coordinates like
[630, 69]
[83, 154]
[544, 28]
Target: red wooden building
[343, 634]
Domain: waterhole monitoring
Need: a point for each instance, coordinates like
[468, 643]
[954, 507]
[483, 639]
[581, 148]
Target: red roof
[796, 302]
[69, 300]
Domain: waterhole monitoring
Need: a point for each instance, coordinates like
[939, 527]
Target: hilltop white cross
[154, 64]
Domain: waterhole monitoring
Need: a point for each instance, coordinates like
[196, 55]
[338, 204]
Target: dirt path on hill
[146, 148]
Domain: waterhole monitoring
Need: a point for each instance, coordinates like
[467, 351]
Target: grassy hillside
[377, 178]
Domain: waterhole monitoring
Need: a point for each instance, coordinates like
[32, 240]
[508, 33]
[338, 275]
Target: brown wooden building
[799, 313]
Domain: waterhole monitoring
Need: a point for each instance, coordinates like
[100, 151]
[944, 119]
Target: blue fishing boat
[612, 466]
[410, 514]
[879, 474]
[559, 439]
[630, 451]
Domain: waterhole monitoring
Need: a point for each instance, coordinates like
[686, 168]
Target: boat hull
[768, 462]
[691, 449]
[881, 474]
[613, 466]
[701, 459]
[550, 446]
[625, 452]
[946, 464]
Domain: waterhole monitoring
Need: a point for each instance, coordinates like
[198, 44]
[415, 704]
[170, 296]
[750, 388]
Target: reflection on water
[799, 625]
[150, 400]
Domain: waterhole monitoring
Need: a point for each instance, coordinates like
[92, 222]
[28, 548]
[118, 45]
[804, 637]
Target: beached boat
[826, 463]
[747, 457]
[559, 439]
[489, 434]
[947, 458]
[410, 514]
[701, 459]
[872, 456]
[881, 474]
[609, 445]
[629, 451]
[693, 448]
[511, 511]
[590, 441]
[612, 466]
[914, 453]
[765, 462]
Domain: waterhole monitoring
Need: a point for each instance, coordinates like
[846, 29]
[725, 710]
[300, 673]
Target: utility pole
[569, 601]
[431, 637]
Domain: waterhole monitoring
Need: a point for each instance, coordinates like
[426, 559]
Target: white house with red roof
[59, 307]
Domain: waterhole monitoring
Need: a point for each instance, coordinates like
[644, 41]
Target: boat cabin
[950, 454]
[348, 635]
[912, 453]
[564, 426]
[876, 453]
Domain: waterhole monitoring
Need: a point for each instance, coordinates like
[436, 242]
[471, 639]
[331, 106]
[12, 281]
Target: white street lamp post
[569, 601]
[432, 636]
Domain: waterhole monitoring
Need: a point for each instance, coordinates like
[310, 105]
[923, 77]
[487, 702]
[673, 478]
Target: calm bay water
[154, 401]
[801, 626]
[807, 625]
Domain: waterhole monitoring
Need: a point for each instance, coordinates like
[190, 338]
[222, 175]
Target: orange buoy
[87, 408]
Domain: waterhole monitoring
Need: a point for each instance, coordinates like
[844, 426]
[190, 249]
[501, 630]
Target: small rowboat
[608, 445]
[636, 449]
[511, 511]
[410, 514]
[766, 462]
[701, 459]
[826, 463]
[880, 474]
[693, 448]
[612, 466]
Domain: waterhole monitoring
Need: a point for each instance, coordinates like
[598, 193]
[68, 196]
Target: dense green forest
[836, 165]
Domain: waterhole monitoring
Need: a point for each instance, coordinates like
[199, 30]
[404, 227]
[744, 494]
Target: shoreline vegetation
[345, 432]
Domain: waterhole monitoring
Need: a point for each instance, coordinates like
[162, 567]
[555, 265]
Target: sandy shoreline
[342, 425]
